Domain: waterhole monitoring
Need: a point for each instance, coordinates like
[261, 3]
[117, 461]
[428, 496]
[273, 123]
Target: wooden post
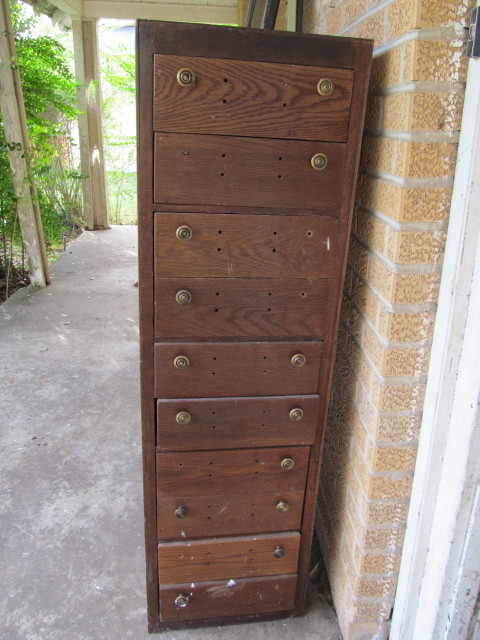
[89, 100]
[18, 145]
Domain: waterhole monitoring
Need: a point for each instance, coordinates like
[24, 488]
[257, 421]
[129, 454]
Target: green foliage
[118, 87]
[49, 97]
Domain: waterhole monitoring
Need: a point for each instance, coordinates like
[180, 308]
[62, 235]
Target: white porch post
[440, 570]
[89, 100]
[16, 136]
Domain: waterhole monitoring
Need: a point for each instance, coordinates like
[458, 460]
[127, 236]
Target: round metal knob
[185, 77]
[283, 506]
[319, 161]
[180, 512]
[325, 86]
[183, 296]
[183, 417]
[278, 553]
[296, 414]
[181, 600]
[184, 232]
[287, 463]
[298, 360]
[181, 362]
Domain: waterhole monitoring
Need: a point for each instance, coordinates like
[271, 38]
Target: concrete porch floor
[71, 512]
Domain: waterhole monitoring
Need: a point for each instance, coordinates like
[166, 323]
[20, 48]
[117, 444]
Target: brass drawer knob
[181, 512]
[325, 86]
[298, 360]
[184, 232]
[181, 600]
[181, 362]
[319, 161]
[185, 77]
[283, 506]
[183, 417]
[296, 414]
[278, 553]
[183, 296]
[287, 463]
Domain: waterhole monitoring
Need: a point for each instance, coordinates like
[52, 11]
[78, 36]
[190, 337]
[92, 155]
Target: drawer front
[237, 307]
[228, 558]
[246, 172]
[244, 246]
[217, 599]
[194, 424]
[236, 369]
[244, 98]
[192, 473]
[234, 513]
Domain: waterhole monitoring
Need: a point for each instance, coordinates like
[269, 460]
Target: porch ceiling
[208, 11]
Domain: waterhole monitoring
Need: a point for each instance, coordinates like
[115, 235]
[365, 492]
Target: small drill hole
[210, 475]
[222, 174]
[219, 249]
[216, 311]
[264, 411]
[280, 158]
[303, 294]
[213, 413]
[180, 465]
[284, 104]
[279, 177]
[209, 518]
[274, 251]
[213, 373]
[269, 309]
[214, 426]
[214, 358]
[270, 293]
[225, 101]
[218, 293]
[274, 233]
[309, 233]
[223, 156]
[225, 79]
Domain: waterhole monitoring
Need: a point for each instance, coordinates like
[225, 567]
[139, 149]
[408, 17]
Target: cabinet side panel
[145, 257]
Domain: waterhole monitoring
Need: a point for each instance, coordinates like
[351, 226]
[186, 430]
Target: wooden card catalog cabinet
[247, 160]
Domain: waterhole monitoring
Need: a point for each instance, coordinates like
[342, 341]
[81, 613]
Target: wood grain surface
[227, 558]
[237, 97]
[245, 246]
[241, 307]
[255, 172]
[234, 513]
[238, 369]
[227, 423]
[192, 473]
[243, 596]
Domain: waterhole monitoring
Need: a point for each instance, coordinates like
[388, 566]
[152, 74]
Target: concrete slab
[71, 514]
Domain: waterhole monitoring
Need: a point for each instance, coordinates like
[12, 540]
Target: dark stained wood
[192, 188]
[145, 277]
[243, 596]
[227, 558]
[253, 44]
[234, 97]
[225, 170]
[192, 473]
[245, 246]
[226, 369]
[228, 423]
[235, 513]
[236, 307]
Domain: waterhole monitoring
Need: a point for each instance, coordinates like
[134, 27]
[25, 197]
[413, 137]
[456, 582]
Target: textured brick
[394, 362]
[378, 153]
[416, 247]
[358, 256]
[397, 112]
[406, 327]
[444, 13]
[402, 17]
[415, 288]
[436, 111]
[440, 61]
[371, 230]
[334, 20]
[373, 27]
[427, 205]
[405, 397]
[354, 8]
[426, 159]
[384, 458]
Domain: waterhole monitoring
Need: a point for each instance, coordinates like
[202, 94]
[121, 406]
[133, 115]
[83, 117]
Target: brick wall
[398, 235]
